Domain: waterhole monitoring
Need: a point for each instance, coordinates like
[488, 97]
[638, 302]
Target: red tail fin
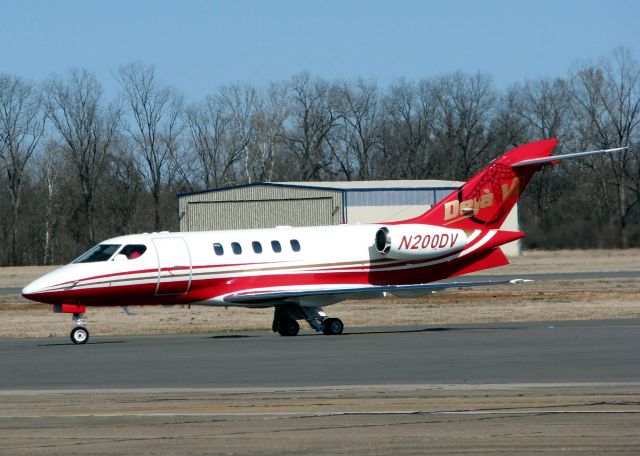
[487, 198]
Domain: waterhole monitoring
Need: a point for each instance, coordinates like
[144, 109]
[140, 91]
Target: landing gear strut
[79, 334]
[284, 320]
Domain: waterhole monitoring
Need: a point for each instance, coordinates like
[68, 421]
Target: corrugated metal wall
[396, 197]
[259, 206]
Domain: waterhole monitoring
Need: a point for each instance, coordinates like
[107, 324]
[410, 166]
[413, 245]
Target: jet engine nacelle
[415, 241]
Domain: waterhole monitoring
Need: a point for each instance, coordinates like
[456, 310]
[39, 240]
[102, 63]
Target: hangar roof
[348, 185]
[378, 184]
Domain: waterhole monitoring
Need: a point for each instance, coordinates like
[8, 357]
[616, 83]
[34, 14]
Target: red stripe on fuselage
[148, 271]
[293, 265]
[204, 289]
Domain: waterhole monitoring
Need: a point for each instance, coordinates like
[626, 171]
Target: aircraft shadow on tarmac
[401, 330]
[425, 330]
[374, 331]
[398, 330]
[105, 342]
[232, 336]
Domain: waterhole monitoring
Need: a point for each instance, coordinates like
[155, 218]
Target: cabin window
[237, 249]
[101, 252]
[257, 247]
[295, 245]
[217, 247]
[275, 245]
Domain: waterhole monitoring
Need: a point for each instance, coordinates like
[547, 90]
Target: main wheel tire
[288, 327]
[79, 335]
[332, 326]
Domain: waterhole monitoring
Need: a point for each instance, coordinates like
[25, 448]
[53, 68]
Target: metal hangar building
[266, 205]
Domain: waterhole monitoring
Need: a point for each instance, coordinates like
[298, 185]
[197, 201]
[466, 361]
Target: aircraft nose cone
[50, 288]
[30, 290]
[34, 290]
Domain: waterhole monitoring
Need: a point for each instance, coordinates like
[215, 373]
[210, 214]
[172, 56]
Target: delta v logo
[457, 210]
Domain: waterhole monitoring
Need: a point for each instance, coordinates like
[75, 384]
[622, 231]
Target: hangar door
[230, 215]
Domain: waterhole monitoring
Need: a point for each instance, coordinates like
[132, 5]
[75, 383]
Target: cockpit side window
[101, 252]
[133, 251]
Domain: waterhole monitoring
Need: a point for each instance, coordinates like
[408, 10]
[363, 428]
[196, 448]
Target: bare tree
[125, 187]
[606, 107]
[49, 170]
[155, 126]
[239, 102]
[539, 110]
[21, 127]
[268, 126]
[507, 126]
[466, 106]
[209, 125]
[409, 126]
[543, 105]
[360, 119]
[312, 116]
[86, 131]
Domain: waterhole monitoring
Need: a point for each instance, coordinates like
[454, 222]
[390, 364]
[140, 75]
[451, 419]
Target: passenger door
[174, 266]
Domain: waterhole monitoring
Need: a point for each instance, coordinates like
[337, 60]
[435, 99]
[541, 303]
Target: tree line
[76, 168]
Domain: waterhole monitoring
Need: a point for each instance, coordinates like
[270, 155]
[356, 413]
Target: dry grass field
[537, 301]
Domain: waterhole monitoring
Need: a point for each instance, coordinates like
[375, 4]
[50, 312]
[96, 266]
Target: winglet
[518, 281]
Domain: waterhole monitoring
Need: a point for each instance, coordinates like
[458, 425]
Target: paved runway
[593, 351]
[10, 290]
[575, 419]
[549, 387]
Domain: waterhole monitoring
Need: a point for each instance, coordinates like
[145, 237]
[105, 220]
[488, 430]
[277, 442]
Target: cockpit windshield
[101, 252]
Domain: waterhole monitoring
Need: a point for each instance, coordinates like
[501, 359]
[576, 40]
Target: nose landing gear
[79, 334]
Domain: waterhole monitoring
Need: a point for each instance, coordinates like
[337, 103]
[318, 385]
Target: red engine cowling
[414, 241]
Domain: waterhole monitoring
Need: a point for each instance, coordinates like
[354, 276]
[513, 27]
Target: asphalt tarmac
[548, 387]
[10, 291]
[588, 351]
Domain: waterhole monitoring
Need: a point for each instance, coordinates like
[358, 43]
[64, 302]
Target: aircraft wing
[332, 295]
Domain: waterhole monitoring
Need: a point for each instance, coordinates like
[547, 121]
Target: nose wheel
[79, 334]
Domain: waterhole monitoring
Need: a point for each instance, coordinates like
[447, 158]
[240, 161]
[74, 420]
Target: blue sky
[200, 45]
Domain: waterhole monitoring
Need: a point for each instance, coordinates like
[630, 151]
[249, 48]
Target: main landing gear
[79, 334]
[332, 326]
[284, 321]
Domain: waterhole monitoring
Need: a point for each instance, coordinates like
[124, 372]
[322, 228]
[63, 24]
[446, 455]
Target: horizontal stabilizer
[552, 160]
